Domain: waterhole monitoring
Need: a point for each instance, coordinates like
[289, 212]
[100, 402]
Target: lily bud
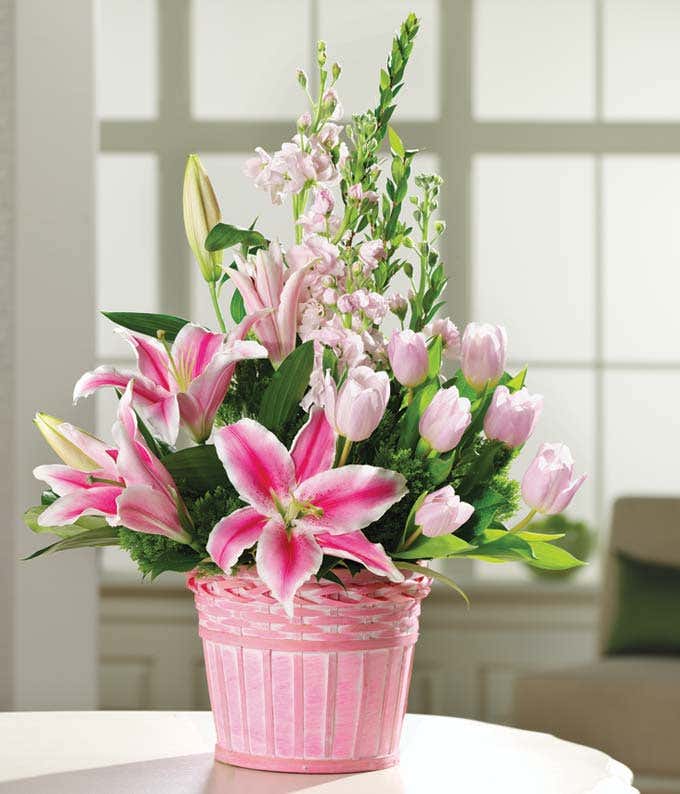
[72, 455]
[201, 213]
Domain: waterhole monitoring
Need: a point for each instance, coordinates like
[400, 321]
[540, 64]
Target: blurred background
[556, 127]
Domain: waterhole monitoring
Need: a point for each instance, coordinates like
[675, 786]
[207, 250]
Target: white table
[147, 752]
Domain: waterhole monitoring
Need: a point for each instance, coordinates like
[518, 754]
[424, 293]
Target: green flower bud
[408, 269]
[336, 70]
[72, 455]
[201, 213]
[302, 78]
[321, 53]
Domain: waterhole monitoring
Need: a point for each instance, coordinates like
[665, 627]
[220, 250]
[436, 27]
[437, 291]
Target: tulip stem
[410, 540]
[345, 452]
[524, 522]
[216, 306]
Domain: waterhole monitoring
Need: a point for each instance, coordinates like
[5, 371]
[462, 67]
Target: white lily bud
[72, 455]
[201, 213]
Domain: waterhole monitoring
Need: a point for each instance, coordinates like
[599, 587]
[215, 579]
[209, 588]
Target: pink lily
[150, 502]
[272, 294]
[185, 382]
[300, 508]
[90, 491]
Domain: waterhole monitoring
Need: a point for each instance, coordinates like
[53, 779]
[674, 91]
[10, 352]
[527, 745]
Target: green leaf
[396, 143]
[223, 235]
[150, 324]
[409, 566]
[83, 524]
[424, 548]
[174, 561]
[237, 307]
[410, 525]
[287, 387]
[384, 80]
[196, 469]
[516, 382]
[104, 536]
[501, 547]
[434, 355]
[421, 399]
[552, 558]
[440, 467]
[548, 537]
[486, 508]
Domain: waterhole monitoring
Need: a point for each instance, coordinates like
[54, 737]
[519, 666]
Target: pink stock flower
[265, 175]
[320, 259]
[450, 335]
[355, 192]
[299, 507]
[372, 304]
[186, 382]
[511, 418]
[482, 354]
[371, 254]
[442, 512]
[323, 202]
[549, 485]
[445, 419]
[271, 295]
[355, 410]
[407, 352]
[398, 304]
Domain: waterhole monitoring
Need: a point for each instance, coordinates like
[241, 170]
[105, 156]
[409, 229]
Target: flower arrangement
[321, 439]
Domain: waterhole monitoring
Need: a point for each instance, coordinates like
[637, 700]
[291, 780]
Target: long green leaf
[552, 558]
[425, 548]
[287, 387]
[196, 469]
[83, 524]
[145, 323]
[105, 536]
[224, 235]
[174, 561]
[237, 307]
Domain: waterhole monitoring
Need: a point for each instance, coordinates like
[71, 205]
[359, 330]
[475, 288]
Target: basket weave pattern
[323, 692]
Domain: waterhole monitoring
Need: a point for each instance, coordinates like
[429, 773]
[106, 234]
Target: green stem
[524, 522]
[343, 227]
[410, 540]
[216, 306]
[345, 452]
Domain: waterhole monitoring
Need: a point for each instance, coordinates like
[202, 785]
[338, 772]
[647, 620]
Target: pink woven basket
[323, 692]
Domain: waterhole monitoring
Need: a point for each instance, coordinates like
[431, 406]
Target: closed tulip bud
[71, 454]
[549, 485]
[445, 419]
[355, 410]
[482, 356]
[407, 352]
[442, 512]
[201, 213]
[511, 418]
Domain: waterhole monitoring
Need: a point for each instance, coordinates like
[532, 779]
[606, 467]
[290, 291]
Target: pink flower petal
[313, 448]
[86, 502]
[152, 357]
[356, 546]
[194, 348]
[257, 463]
[145, 509]
[233, 534]
[163, 418]
[285, 561]
[287, 312]
[63, 479]
[351, 497]
[146, 391]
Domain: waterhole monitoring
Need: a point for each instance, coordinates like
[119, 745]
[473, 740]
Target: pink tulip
[548, 485]
[511, 418]
[299, 507]
[407, 352]
[450, 335]
[272, 295]
[185, 383]
[445, 419]
[355, 410]
[482, 354]
[442, 512]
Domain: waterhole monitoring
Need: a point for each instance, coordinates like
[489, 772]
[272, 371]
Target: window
[555, 123]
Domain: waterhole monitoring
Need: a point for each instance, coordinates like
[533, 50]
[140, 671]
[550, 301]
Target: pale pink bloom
[398, 304]
[299, 507]
[322, 162]
[449, 333]
[407, 352]
[183, 384]
[297, 166]
[345, 303]
[312, 317]
[355, 410]
[329, 135]
[304, 122]
[272, 295]
[442, 512]
[355, 192]
[323, 202]
[371, 196]
[549, 485]
[371, 254]
[266, 174]
[511, 417]
[372, 304]
[482, 354]
[317, 255]
[445, 419]
[343, 155]
[329, 296]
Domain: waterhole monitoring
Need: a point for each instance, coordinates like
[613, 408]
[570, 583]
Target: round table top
[118, 751]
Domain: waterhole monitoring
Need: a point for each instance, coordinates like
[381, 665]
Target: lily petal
[313, 448]
[233, 534]
[194, 348]
[163, 418]
[356, 546]
[287, 312]
[145, 509]
[152, 358]
[64, 479]
[146, 391]
[351, 497]
[285, 561]
[84, 502]
[257, 463]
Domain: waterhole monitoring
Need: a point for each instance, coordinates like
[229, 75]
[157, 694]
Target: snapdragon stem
[345, 452]
[216, 306]
[524, 522]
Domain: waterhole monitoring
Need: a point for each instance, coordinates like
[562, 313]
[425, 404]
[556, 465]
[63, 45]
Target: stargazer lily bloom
[271, 293]
[184, 382]
[300, 508]
[87, 487]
